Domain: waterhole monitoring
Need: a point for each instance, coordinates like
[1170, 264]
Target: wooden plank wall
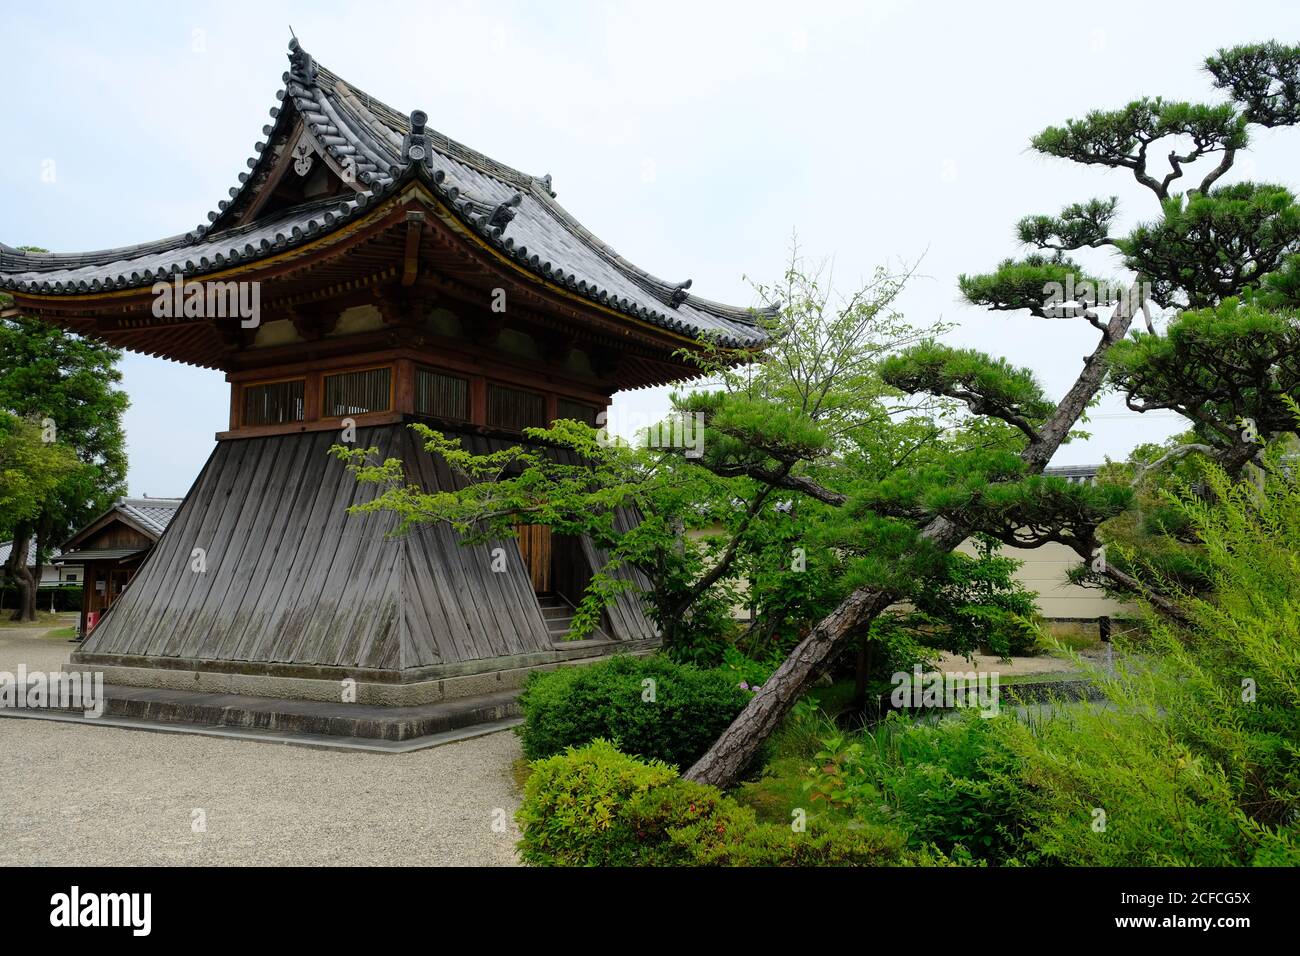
[292, 577]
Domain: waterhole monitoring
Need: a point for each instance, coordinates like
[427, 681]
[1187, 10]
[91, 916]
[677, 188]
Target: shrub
[64, 597]
[1194, 762]
[611, 700]
[574, 807]
[594, 806]
[954, 786]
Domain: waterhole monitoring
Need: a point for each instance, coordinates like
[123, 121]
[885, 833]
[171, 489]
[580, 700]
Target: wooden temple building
[397, 276]
[111, 548]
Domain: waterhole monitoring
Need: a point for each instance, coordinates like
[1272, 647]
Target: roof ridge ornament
[546, 184]
[679, 293]
[505, 212]
[415, 146]
[301, 62]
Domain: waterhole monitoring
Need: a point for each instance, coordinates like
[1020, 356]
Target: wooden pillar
[478, 400]
[404, 386]
[311, 397]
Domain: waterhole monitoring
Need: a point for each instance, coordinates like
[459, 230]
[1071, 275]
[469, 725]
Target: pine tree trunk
[739, 744]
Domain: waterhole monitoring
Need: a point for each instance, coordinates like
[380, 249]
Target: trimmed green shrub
[64, 597]
[673, 718]
[595, 806]
[575, 804]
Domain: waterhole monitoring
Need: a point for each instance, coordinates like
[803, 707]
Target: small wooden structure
[396, 276]
[111, 549]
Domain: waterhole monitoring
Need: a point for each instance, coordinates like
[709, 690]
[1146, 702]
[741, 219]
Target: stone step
[306, 717]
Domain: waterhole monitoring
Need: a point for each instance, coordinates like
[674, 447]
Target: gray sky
[693, 137]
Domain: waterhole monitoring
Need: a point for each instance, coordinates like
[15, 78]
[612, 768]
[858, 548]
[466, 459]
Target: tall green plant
[1197, 760]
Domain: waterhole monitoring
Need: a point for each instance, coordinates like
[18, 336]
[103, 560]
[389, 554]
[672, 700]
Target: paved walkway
[72, 794]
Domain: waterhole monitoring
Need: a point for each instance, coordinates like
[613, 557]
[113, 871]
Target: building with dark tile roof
[366, 272]
[111, 548]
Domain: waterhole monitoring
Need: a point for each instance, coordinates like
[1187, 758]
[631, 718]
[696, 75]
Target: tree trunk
[17, 572]
[739, 744]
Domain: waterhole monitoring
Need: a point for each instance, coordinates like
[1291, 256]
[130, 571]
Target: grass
[778, 792]
[520, 771]
[1073, 637]
[43, 619]
[61, 634]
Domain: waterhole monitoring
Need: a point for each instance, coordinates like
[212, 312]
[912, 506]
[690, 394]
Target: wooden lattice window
[578, 411]
[515, 409]
[274, 403]
[446, 396]
[356, 393]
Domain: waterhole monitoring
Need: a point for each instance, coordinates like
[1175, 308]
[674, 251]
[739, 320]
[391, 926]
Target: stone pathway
[82, 795]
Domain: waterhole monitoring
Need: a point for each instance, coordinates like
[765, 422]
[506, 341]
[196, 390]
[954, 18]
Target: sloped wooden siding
[292, 577]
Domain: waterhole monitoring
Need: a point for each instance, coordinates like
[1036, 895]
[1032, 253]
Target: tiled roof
[513, 211]
[153, 513]
[7, 547]
[149, 515]
[1075, 474]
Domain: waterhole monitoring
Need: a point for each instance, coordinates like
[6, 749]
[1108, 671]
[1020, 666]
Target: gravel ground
[25, 645]
[77, 795]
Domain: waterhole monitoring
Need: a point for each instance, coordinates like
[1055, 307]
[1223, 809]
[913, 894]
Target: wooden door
[117, 582]
[535, 546]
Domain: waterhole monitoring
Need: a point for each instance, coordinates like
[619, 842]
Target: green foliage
[1154, 539]
[1078, 226]
[1218, 367]
[1120, 138]
[1209, 246]
[572, 479]
[1263, 78]
[1025, 283]
[594, 806]
[1280, 289]
[1192, 762]
[1196, 761]
[65, 461]
[574, 806]
[31, 470]
[988, 386]
[572, 706]
[954, 785]
[976, 604]
[46, 373]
